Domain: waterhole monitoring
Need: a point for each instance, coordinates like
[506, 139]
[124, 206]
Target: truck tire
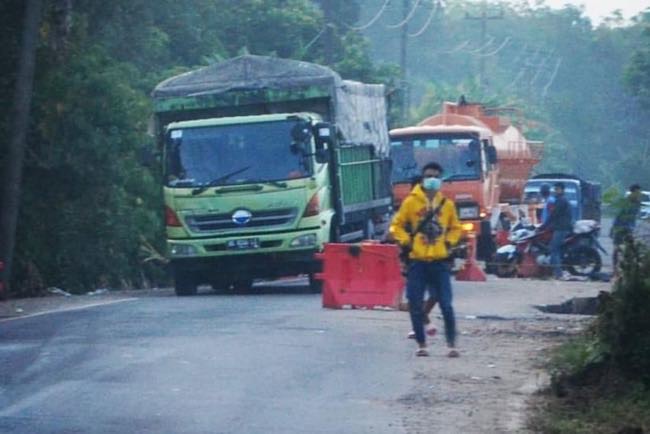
[369, 230]
[242, 285]
[335, 233]
[315, 286]
[485, 246]
[220, 285]
[184, 284]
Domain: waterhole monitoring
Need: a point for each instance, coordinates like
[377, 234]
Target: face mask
[431, 183]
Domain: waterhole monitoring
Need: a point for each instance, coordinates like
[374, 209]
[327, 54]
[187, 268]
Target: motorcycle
[529, 255]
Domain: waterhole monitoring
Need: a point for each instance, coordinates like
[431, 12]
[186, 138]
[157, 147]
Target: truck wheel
[242, 286]
[369, 230]
[315, 286]
[335, 233]
[184, 284]
[485, 246]
[220, 285]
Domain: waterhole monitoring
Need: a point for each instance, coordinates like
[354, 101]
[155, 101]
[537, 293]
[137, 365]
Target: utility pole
[13, 164]
[483, 18]
[329, 31]
[406, 7]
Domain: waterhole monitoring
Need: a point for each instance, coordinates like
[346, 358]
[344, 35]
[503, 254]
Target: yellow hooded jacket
[414, 207]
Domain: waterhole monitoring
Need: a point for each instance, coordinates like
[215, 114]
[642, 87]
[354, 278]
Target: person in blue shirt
[548, 201]
[560, 221]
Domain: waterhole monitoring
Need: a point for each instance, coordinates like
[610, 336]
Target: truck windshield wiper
[459, 176]
[218, 180]
[279, 184]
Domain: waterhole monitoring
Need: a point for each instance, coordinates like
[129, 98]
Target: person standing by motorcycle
[560, 221]
[548, 202]
[625, 221]
[436, 230]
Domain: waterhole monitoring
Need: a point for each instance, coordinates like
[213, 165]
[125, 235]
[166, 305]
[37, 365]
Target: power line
[481, 48]
[456, 49]
[434, 9]
[540, 67]
[499, 48]
[552, 79]
[526, 64]
[521, 55]
[316, 38]
[373, 20]
[407, 18]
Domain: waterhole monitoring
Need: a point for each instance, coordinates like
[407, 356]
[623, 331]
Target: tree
[13, 163]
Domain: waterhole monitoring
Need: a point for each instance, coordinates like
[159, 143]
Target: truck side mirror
[492, 154]
[301, 132]
[324, 140]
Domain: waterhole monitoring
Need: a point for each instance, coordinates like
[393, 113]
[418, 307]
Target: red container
[361, 276]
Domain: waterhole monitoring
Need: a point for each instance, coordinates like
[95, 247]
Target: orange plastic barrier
[361, 275]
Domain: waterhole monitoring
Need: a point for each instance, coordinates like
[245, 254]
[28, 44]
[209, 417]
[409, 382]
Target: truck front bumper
[258, 255]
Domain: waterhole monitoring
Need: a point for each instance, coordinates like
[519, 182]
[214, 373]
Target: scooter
[528, 253]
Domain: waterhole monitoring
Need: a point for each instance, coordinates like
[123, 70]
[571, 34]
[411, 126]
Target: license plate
[244, 244]
[467, 213]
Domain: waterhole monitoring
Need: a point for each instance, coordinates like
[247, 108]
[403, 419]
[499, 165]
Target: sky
[597, 9]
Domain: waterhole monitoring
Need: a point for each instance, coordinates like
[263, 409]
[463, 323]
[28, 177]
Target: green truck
[266, 160]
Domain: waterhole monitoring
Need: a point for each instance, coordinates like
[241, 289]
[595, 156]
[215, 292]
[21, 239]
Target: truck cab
[584, 196]
[467, 157]
[239, 185]
[486, 160]
[264, 161]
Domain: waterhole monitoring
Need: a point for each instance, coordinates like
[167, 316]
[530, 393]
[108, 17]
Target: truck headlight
[468, 212]
[307, 240]
[182, 250]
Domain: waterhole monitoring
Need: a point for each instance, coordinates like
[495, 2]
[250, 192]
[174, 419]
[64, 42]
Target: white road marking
[69, 309]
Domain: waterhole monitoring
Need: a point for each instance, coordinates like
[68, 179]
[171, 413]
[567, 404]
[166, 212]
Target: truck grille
[222, 222]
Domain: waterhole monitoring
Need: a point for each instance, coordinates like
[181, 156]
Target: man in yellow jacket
[427, 226]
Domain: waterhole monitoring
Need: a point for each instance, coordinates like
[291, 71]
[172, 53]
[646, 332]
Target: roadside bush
[624, 323]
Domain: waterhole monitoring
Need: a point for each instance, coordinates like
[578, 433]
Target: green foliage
[626, 410]
[637, 73]
[553, 64]
[91, 216]
[576, 355]
[601, 379]
[624, 325]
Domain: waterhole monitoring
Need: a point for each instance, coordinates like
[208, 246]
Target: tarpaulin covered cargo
[250, 85]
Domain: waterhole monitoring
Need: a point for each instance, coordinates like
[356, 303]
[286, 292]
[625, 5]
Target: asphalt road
[274, 362]
[270, 363]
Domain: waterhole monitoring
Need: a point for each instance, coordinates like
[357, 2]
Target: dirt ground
[503, 341]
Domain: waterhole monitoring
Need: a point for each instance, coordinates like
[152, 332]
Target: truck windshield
[233, 154]
[532, 188]
[458, 154]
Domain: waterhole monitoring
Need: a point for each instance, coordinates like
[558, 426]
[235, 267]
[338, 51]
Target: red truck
[487, 161]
